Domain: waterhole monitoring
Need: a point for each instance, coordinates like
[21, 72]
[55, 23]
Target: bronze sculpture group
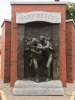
[39, 56]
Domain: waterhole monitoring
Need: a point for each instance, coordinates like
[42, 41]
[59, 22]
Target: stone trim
[52, 17]
[5, 20]
[39, 2]
[70, 20]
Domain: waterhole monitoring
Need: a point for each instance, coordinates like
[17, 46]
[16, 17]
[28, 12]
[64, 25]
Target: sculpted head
[42, 38]
[34, 41]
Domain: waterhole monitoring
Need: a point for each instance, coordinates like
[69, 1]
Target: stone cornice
[39, 2]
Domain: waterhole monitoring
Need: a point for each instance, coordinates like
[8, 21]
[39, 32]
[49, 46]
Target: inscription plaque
[51, 17]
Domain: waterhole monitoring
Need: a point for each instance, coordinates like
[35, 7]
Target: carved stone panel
[52, 17]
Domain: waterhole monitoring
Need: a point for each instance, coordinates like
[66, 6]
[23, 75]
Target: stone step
[29, 84]
[42, 88]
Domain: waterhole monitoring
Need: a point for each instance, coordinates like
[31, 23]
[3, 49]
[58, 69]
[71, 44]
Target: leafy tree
[70, 11]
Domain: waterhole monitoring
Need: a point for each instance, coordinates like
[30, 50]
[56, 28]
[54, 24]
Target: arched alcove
[35, 29]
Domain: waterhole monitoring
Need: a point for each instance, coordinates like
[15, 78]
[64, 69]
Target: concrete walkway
[8, 91]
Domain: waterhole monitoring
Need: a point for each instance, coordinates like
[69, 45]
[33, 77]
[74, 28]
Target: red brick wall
[14, 43]
[3, 52]
[6, 51]
[0, 57]
[70, 51]
[0, 44]
[73, 51]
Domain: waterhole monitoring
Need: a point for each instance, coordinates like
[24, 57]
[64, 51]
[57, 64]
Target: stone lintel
[51, 17]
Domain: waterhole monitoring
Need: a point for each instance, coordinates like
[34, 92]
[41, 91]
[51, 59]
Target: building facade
[32, 19]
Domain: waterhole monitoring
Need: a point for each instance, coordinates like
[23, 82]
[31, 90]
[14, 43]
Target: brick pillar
[6, 50]
[70, 50]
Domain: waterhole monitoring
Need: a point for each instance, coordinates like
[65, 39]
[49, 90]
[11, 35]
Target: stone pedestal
[32, 88]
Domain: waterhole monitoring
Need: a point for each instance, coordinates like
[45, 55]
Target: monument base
[31, 88]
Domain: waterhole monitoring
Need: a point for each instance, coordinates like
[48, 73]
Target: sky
[5, 9]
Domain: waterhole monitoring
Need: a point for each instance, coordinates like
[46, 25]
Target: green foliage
[70, 11]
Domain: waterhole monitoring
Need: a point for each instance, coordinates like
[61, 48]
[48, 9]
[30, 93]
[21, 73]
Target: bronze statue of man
[35, 52]
[47, 53]
[27, 60]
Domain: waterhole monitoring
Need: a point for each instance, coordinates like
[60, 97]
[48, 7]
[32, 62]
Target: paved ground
[68, 92]
[0, 98]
